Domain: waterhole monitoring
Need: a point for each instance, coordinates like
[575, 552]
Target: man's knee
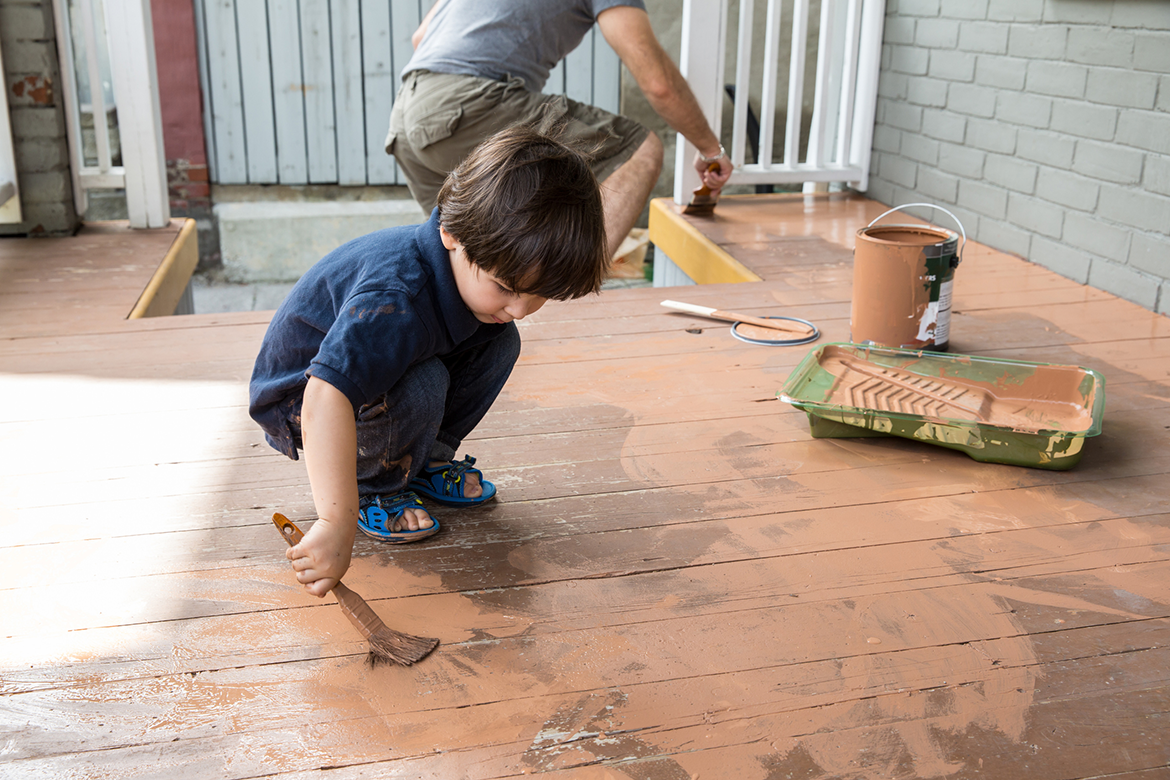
[645, 164]
[651, 151]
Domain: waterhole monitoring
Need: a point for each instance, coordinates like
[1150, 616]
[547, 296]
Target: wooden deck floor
[676, 582]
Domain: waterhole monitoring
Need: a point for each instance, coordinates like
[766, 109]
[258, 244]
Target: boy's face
[489, 299]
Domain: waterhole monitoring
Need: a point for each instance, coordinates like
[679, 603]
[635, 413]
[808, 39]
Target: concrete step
[277, 241]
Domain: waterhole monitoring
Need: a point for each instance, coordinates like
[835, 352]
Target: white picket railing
[848, 60]
[120, 32]
[9, 193]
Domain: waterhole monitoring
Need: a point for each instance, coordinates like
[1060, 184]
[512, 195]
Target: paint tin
[903, 276]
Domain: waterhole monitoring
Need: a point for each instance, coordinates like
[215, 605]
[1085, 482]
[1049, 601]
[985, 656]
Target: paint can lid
[935, 242]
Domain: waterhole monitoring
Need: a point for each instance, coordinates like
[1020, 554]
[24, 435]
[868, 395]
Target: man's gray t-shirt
[502, 39]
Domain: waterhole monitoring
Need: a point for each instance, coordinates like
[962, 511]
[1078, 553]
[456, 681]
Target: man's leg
[625, 192]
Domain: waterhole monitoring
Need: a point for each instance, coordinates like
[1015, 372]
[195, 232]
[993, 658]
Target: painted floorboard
[676, 582]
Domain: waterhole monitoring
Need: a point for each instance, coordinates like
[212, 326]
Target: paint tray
[995, 410]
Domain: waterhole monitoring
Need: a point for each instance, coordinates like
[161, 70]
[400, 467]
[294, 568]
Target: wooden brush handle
[703, 189]
[288, 529]
[353, 605]
[386, 644]
[730, 316]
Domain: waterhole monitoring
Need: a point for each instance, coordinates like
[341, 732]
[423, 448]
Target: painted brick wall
[38, 119]
[1044, 125]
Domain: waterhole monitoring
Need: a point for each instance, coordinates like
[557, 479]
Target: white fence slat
[607, 74]
[579, 70]
[817, 140]
[869, 56]
[743, 77]
[555, 85]
[405, 17]
[379, 83]
[101, 127]
[72, 108]
[348, 93]
[703, 25]
[317, 67]
[205, 91]
[227, 105]
[768, 93]
[9, 192]
[256, 91]
[796, 82]
[288, 92]
[848, 80]
[835, 81]
[135, 80]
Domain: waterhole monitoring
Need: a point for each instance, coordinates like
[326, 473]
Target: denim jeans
[427, 414]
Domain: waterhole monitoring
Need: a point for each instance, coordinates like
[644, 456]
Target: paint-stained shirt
[358, 319]
[506, 39]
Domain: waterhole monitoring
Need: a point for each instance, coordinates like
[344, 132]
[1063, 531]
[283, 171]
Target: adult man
[480, 66]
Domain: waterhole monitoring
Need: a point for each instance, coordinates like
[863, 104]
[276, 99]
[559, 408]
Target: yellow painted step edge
[165, 288]
[699, 258]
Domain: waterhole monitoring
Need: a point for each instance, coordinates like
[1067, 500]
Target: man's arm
[330, 439]
[417, 36]
[628, 31]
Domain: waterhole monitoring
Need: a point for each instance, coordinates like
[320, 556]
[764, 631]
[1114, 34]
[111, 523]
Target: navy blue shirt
[358, 319]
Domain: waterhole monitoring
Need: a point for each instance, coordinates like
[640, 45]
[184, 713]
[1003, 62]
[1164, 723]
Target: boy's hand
[323, 556]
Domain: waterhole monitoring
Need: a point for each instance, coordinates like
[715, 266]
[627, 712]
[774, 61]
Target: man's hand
[322, 557]
[711, 176]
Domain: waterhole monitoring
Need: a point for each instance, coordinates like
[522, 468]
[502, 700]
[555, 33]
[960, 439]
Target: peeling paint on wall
[35, 89]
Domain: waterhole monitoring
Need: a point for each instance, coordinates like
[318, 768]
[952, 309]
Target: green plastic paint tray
[995, 410]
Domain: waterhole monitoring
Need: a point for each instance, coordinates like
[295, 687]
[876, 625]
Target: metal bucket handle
[959, 256]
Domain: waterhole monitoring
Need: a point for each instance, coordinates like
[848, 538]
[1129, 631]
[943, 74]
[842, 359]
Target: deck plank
[676, 581]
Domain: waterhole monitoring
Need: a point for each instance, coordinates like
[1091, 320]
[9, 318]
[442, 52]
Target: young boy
[390, 350]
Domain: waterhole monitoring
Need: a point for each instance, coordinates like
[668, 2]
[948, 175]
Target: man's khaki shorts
[438, 118]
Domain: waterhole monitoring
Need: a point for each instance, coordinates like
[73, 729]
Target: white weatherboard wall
[299, 91]
[1043, 124]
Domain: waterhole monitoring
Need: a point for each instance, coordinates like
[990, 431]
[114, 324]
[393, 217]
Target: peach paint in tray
[995, 410]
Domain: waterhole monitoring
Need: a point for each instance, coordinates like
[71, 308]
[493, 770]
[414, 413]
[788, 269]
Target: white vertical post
[68, 77]
[132, 63]
[768, 94]
[97, 97]
[869, 60]
[796, 83]
[743, 76]
[9, 193]
[703, 24]
[818, 141]
[849, 82]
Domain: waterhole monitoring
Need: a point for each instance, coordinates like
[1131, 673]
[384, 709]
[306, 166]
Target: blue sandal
[444, 484]
[376, 517]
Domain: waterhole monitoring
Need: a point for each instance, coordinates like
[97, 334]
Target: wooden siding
[301, 92]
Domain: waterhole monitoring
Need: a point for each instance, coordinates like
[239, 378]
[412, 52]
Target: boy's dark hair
[527, 209]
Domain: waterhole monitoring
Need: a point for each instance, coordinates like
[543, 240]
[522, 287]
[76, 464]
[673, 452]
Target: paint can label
[942, 325]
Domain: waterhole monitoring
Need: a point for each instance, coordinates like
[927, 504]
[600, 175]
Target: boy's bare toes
[413, 520]
[472, 489]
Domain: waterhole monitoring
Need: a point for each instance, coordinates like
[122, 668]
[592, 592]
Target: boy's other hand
[323, 556]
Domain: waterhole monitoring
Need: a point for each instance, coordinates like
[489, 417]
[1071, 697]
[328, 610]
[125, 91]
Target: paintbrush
[788, 326]
[702, 199]
[386, 644]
